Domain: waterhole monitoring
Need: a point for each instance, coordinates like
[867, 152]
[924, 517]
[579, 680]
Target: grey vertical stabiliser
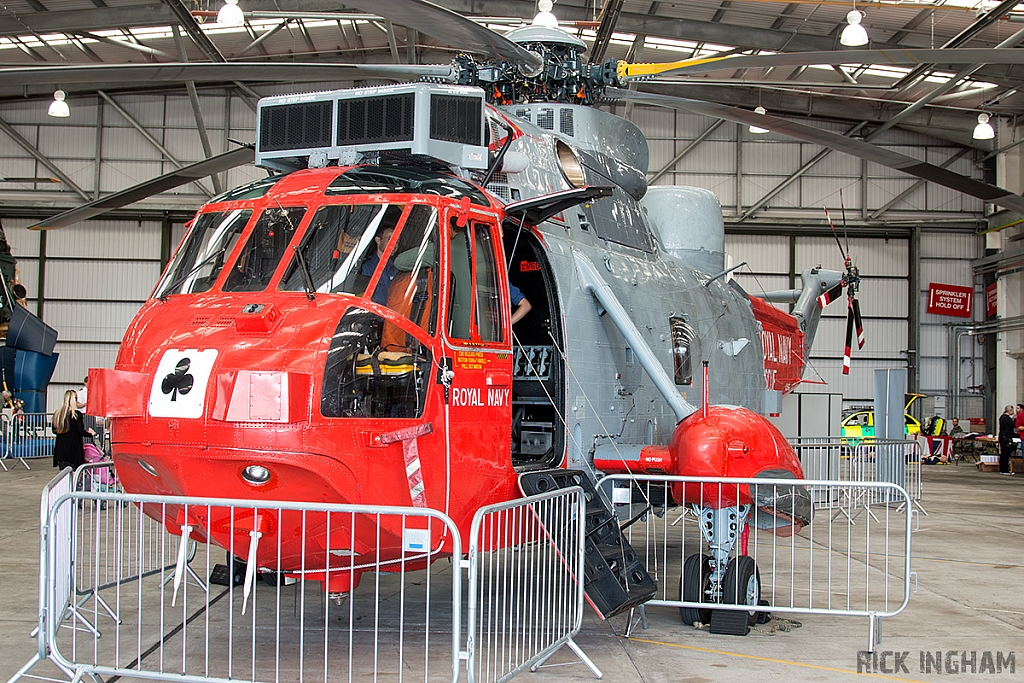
[592, 282]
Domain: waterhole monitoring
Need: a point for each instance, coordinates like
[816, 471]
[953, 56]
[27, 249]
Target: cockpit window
[395, 180]
[362, 378]
[253, 190]
[340, 247]
[264, 249]
[200, 259]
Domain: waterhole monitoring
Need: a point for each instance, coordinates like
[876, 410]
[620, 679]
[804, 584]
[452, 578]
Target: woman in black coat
[69, 427]
[1006, 434]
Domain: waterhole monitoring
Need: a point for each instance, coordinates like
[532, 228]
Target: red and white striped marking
[411, 452]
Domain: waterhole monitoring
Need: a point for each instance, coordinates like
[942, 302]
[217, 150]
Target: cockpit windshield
[199, 261]
[264, 249]
[346, 250]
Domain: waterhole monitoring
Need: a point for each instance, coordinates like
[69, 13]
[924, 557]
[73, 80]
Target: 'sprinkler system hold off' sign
[950, 300]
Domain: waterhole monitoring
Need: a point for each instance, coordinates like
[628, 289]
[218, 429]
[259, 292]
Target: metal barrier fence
[851, 559]
[525, 584]
[124, 593]
[25, 436]
[142, 606]
[895, 461]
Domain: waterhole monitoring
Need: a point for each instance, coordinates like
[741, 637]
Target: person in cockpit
[380, 294]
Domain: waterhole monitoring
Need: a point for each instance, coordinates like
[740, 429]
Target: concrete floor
[968, 553]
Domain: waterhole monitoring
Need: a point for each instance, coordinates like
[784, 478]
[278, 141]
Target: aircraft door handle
[498, 379]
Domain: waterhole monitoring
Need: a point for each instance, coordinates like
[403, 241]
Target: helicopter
[340, 331]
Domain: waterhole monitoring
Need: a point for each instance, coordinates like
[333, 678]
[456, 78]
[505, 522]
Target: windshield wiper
[168, 291]
[307, 279]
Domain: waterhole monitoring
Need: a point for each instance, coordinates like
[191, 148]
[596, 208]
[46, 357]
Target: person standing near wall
[1006, 434]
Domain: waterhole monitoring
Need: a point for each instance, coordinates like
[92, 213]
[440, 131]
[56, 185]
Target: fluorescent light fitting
[854, 34]
[754, 129]
[230, 14]
[983, 131]
[544, 16]
[59, 108]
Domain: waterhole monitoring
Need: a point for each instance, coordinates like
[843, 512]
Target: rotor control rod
[595, 284]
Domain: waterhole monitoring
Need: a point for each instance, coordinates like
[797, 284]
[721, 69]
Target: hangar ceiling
[941, 101]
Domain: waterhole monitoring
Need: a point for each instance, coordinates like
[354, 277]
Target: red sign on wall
[990, 300]
[950, 300]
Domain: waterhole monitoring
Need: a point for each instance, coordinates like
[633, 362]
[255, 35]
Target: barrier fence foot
[25, 669]
[579, 653]
[874, 631]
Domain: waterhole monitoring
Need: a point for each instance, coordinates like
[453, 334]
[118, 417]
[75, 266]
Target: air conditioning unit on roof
[442, 122]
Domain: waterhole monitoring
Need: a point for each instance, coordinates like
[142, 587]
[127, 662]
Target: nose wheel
[741, 584]
[693, 587]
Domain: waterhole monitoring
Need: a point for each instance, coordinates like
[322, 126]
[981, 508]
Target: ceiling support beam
[263, 36]
[305, 36]
[144, 49]
[148, 136]
[686, 150]
[44, 160]
[86, 50]
[411, 36]
[772, 194]
[962, 38]
[389, 28]
[609, 17]
[189, 24]
[197, 111]
[914, 188]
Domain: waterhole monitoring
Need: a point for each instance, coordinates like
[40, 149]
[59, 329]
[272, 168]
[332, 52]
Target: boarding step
[615, 580]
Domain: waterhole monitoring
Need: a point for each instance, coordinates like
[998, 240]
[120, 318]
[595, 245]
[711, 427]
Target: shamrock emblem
[179, 381]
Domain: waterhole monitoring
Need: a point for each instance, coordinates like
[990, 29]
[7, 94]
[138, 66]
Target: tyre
[741, 584]
[693, 585]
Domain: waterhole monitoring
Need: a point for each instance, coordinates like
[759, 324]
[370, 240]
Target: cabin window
[474, 300]
[683, 340]
[201, 257]
[338, 245]
[264, 250]
[362, 378]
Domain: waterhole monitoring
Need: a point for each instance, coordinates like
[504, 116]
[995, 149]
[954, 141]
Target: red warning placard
[950, 300]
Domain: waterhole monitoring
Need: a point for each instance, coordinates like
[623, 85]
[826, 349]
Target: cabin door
[479, 353]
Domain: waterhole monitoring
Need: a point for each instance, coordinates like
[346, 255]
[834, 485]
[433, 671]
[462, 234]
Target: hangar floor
[968, 554]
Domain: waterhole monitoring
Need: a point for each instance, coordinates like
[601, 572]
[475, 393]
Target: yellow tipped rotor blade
[626, 70]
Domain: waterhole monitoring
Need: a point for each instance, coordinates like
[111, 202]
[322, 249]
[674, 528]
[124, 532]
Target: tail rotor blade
[830, 295]
[849, 340]
[860, 324]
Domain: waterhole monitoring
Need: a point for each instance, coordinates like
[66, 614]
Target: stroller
[101, 479]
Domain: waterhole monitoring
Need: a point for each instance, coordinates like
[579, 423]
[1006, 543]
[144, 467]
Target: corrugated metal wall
[97, 274]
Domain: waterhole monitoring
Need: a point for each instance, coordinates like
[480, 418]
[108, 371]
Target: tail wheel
[693, 586]
[741, 584]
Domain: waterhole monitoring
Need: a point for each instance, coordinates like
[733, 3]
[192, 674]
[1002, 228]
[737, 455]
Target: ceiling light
[59, 107]
[544, 16]
[854, 34]
[983, 131]
[754, 129]
[230, 14]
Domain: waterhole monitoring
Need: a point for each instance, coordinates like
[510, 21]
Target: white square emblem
[179, 386]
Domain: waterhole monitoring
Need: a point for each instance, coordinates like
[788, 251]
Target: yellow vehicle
[860, 426]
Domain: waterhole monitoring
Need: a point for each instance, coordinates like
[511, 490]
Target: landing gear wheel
[741, 584]
[693, 585]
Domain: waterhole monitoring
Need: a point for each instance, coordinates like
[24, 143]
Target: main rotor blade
[450, 28]
[858, 148]
[882, 57]
[9, 179]
[181, 176]
[180, 72]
